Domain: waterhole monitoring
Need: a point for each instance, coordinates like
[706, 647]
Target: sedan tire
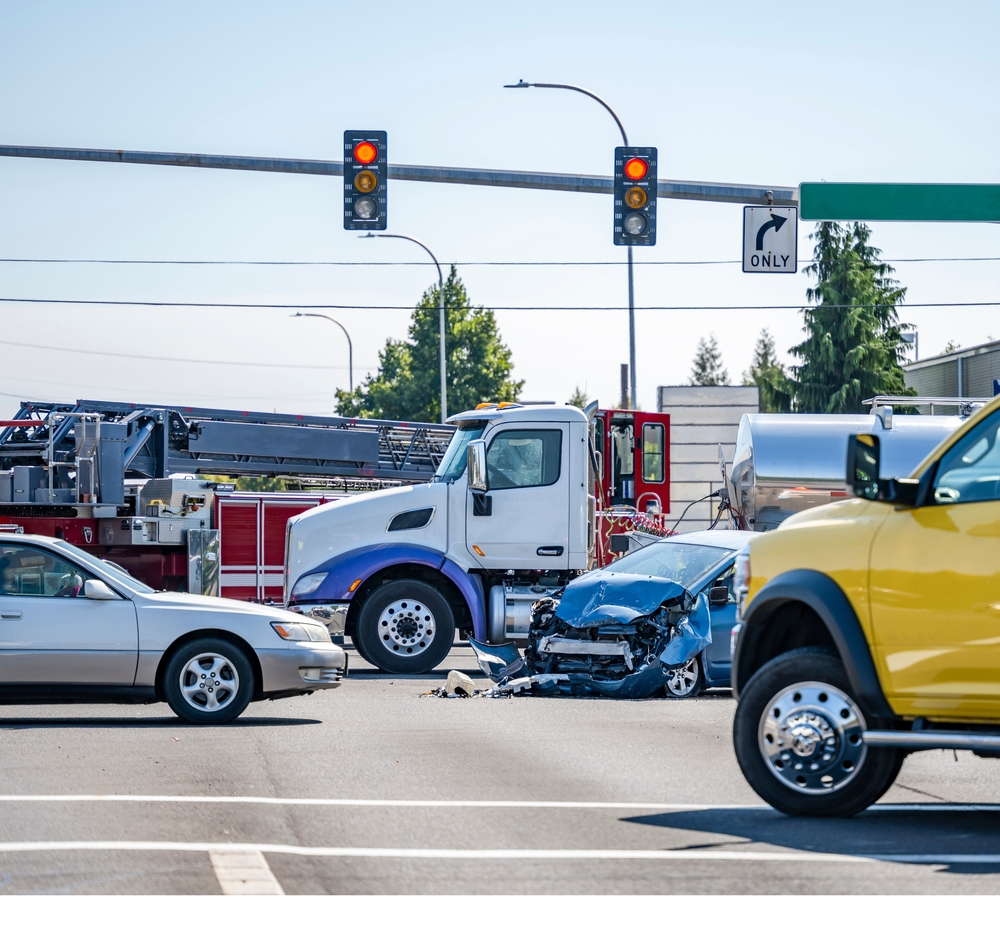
[208, 681]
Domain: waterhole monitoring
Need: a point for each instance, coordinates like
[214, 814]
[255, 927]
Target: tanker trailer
[785, 463]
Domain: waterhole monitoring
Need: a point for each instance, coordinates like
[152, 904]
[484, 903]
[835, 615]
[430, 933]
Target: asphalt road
[374, 789]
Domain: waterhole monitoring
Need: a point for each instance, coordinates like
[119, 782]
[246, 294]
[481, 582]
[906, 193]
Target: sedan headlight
[301, 631]
[309, 583]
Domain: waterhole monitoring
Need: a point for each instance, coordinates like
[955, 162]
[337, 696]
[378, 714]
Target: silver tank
[785, 463]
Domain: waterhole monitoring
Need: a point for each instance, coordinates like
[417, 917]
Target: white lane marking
[243, 871]
[503, 853]
[483, 804]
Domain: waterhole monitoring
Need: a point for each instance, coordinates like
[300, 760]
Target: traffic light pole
[631, 285]
[442, 321]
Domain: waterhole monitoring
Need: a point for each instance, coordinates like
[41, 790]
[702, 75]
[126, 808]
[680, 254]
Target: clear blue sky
[771, 93]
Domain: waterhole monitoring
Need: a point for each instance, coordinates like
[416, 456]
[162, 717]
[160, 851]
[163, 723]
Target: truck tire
[798, 739]
[209, 680]
[406, 627]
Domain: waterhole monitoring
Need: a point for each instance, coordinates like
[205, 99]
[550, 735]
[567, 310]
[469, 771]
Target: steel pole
[631, 294]
[442, 321]
[350, 345]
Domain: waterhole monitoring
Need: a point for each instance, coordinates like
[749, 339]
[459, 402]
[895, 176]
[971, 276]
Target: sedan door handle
[10, 616]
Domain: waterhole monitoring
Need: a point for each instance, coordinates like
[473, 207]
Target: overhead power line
[171, 358]
[408, 308]
[925, 259]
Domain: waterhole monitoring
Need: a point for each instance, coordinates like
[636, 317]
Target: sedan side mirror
[718, 595]
[476, 456]
[98, 590]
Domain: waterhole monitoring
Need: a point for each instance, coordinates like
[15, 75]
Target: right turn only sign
[770, 239]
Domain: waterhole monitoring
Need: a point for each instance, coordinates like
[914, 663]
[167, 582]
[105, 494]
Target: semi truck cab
[398, 571]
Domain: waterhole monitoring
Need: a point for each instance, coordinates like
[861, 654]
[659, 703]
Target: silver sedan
[76, 629]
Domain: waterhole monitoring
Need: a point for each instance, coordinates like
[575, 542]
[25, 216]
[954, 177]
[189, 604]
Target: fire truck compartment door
[525, 524]
[68, 641]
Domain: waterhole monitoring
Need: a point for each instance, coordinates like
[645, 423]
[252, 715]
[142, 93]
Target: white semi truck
[508, 518]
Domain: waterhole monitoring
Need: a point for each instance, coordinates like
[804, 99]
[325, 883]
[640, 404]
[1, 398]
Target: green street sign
[819, 200]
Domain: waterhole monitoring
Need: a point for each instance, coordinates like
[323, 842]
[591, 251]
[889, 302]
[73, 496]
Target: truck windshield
[453, 463]
[682, 562]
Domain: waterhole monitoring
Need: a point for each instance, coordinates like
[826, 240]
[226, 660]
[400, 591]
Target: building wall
[967, 373]
[701, 418]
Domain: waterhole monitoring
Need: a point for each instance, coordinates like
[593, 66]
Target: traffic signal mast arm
[535, 180]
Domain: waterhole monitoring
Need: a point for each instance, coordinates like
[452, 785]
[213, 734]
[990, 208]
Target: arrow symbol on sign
[775, 222]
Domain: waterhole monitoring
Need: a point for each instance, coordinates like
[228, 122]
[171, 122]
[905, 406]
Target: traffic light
[635, 197]
[365, 173]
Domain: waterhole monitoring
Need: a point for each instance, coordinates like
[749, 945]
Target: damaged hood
[610, 598]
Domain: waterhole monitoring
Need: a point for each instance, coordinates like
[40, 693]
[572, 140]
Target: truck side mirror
[864, 456]
[864, 462]
[476, 462]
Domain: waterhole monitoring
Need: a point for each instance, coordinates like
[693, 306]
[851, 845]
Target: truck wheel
[208, 681]
[406, 627]
[798, 739]
[684, 681]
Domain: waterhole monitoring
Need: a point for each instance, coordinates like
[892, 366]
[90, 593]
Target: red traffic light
[365, 152]
[635, 169]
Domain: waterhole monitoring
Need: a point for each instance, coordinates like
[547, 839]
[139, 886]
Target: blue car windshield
[682, 562]
[453, 463]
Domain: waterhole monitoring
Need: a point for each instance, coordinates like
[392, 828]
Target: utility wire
[928, 259]
[170, 358]
[410, 308]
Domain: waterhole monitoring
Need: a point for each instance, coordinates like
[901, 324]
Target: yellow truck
[870, 628]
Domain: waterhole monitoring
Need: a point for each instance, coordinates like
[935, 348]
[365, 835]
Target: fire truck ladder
[157, 441]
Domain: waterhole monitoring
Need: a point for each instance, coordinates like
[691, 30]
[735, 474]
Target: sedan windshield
[681, 562]
[453, 463]
[117, 572]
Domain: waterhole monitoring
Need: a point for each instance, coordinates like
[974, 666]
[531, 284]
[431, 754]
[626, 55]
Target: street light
[441, 314]
[350, 347]
[631, 293]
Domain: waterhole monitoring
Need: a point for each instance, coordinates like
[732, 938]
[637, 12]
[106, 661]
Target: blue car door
[717, 656]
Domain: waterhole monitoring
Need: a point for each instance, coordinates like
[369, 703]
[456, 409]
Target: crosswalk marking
[243, 871]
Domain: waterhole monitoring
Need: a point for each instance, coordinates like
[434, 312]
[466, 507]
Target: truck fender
[359, 565]
[820, 593]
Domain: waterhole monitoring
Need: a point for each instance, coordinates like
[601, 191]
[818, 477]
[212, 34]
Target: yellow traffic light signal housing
[365, 173]
[635, 197]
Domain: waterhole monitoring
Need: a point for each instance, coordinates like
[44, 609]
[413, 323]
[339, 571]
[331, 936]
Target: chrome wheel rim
[209, 682]
[406, 627]
[682, 680]
[810, 736]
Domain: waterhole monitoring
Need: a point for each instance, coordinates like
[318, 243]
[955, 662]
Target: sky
[764, 94]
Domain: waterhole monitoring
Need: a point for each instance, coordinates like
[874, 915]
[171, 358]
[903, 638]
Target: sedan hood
[614, 598]
[210, 603]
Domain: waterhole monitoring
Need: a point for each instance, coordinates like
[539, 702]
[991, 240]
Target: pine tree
[578, 398]
[408, 382]
[708, 368]
[854, 347]
[768, 374]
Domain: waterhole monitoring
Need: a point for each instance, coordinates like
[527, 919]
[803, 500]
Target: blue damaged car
[657, 620]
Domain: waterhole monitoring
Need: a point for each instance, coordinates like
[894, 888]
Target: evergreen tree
[408, 382]
[708, 368]
[578, 398]
[768, 374]
[854, 347]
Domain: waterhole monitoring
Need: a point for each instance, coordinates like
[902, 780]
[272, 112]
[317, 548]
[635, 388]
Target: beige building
[701, 418]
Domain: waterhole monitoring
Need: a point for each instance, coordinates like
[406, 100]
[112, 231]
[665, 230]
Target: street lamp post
[631, 294]
[441, 315]
[350, 347]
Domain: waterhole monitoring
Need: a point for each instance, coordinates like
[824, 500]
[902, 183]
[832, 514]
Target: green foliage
[708, 368]
[253, 484]
[854, 347]
[408, 383]
[578, 398]
[768, 374]
[952, 346]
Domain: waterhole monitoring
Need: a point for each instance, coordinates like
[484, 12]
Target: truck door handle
[482, 504]
[10, 616]
[549, 550]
